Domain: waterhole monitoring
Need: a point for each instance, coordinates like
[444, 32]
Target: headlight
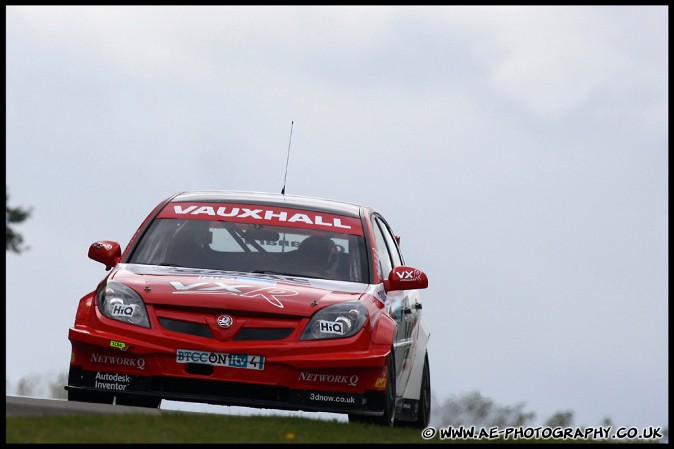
[121, 303]
[336, 321]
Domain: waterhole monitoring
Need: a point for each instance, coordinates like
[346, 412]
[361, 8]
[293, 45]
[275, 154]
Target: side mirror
[405, 278]
[106, 252]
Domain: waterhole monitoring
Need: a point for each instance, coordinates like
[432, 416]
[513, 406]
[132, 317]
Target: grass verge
[198, 428]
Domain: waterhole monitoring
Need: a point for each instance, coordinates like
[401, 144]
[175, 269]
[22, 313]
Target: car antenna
[283, 190]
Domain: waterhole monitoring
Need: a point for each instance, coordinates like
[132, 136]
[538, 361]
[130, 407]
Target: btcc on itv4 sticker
[220, 359]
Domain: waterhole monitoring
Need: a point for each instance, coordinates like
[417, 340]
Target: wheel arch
[384, 331]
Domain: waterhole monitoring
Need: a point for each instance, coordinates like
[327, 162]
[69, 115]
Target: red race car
[258, 300]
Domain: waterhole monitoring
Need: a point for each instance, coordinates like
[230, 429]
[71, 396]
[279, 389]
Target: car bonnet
[252, 292]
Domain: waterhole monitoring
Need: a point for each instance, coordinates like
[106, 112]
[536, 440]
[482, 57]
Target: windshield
[253, 247]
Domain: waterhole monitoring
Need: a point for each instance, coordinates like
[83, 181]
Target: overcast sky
[521, 153]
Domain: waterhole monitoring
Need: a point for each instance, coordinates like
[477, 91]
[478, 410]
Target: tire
[424, 412]
[146, 402]
[90, 396]
[388, 419]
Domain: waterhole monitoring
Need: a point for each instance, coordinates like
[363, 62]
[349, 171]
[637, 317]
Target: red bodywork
[235, 338]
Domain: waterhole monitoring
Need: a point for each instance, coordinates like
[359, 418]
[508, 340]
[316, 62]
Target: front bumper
[325, 377]
[371, 402]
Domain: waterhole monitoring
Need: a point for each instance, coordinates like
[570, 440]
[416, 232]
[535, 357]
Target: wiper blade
[295, 275]
[273, 272]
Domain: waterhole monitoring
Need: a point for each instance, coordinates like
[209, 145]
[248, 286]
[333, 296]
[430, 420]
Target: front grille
[252, 333]
[186, 327]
